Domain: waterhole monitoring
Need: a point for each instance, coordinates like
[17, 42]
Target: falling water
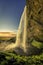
[21, 35]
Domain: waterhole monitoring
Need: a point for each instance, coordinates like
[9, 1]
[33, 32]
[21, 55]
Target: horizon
[7, 34]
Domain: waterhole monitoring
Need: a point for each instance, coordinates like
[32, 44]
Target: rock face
[30, 28]
[35, 18]
[34, 24]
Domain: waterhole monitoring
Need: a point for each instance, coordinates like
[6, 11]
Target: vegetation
[37, 44]
[14, 59]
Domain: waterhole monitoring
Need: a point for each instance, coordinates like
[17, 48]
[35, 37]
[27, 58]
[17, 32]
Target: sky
[10, 13]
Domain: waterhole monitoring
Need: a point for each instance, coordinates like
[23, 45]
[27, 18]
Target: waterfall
[21, 34]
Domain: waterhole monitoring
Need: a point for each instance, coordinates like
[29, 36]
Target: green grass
[37, 44]
[20, 60]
